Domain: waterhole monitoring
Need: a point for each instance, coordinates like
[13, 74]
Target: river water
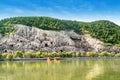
[73, 69]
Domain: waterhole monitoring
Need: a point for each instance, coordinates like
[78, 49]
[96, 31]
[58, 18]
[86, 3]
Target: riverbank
[19, 55]
[60, 58]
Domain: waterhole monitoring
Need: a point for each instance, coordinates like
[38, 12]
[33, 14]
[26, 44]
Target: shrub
[38, 54]
[73, 54]
[103, 54]
[91, 54]
[18, 54]
[62, 54]
[9, 56]
[106, 54]
[68, 54]
[0, 56]
[48, 54]
[108, 44]
[118, 45]
[53, 54]
[77, 54]
[117, 55]
[65, 54]
[111, 54]
[82, 54]
[4, 55]
[45, 54]
[29, 55]
[57, 54]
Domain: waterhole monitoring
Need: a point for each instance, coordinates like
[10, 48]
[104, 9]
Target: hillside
[103, 30]
[34, 39]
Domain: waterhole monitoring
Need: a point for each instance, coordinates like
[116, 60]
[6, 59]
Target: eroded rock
[34, 39]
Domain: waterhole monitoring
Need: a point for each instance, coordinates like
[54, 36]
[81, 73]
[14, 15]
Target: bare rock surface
[34, 39]
[98, 45]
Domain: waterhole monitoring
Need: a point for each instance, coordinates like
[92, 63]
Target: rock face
[34, 39]
[97, 45]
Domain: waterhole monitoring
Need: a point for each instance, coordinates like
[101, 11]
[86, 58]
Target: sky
[80, 10]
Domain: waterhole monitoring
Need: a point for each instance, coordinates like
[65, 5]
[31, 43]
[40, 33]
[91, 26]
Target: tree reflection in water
[94, 72]
[73, 69]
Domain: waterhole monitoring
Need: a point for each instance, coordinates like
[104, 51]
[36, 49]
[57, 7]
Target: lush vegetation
[39, 54]
[104, 30]
[4, 30]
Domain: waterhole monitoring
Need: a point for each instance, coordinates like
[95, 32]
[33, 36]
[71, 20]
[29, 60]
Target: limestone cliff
[98, 45]
[33, 39]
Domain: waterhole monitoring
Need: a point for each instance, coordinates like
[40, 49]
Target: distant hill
[104, 30]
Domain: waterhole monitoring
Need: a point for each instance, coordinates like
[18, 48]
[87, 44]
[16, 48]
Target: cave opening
[5, 50]
[11, 45]
[46, 45]
[61, 50]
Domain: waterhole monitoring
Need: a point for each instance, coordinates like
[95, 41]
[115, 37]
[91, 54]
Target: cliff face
[34, 39]
[97, 45]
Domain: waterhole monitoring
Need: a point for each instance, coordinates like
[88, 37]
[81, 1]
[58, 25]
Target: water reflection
[76, 69]
[94, 72]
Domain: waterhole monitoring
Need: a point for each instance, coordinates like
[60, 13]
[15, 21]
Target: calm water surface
[75, 69]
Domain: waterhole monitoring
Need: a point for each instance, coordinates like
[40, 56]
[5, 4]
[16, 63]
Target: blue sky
[81, 10]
